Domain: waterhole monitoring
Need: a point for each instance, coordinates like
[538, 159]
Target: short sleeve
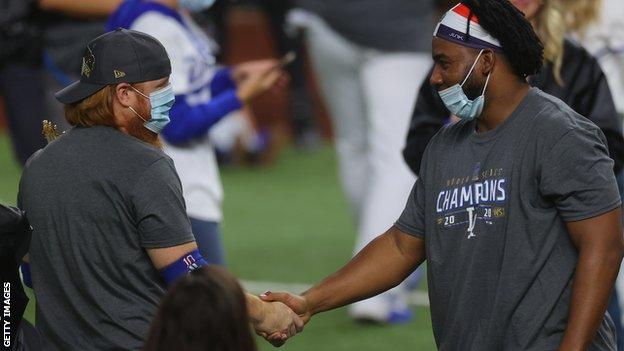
[412, 220]
[159, 207]
[577, 176]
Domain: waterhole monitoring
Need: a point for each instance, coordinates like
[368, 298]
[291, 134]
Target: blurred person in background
[570, 73]
[41, 42]
[288, 38]
[21, 76]
[242, 137]
[68, 25]
[205, 94]
[369, 57]
[110, 230]
[605, 39]
[291, 39]
[204, 310]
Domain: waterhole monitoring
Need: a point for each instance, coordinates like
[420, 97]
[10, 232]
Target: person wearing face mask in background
[205, 94]
[110, 230]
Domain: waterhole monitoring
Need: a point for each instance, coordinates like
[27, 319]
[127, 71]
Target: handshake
[278, 316]
[381, 265]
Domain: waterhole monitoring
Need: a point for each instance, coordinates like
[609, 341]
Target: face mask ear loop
[471, 68]
[138, 115]
[487, 80]
[130, 107]
[133, 88]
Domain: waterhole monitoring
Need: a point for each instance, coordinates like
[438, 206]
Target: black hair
[520, 44]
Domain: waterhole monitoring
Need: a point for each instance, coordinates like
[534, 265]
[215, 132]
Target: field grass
[288, 223]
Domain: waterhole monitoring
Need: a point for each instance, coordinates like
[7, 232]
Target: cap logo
[119, 74]
[88, 63]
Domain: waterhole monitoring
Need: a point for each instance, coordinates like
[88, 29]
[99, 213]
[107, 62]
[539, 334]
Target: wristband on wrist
[184, 265]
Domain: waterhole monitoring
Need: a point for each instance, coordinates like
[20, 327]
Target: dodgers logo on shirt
[466, 200]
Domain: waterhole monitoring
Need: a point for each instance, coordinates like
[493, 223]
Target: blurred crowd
[354, 71]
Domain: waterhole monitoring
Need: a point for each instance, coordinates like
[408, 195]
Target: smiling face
[528, 7]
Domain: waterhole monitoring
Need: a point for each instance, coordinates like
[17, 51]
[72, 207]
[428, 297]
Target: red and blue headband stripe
[459, 26]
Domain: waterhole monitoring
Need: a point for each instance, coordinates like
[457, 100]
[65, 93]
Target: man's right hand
[297, 303]
[275, 321]
[381, 265]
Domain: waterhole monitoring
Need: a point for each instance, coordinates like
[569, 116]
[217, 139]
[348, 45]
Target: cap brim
[77, 91]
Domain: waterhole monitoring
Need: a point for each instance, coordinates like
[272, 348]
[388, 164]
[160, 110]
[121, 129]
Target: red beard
[138, 130]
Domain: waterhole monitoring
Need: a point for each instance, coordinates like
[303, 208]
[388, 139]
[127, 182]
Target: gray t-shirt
[389, 25]
[492, 209]
[96, 199]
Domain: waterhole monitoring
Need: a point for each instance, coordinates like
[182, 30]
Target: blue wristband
[182, 266]
[26, 278]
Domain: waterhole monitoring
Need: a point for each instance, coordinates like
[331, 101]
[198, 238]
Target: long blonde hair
[582, 13]
[556, 18]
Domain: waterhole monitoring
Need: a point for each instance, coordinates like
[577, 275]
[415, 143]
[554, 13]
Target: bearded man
[110, 229]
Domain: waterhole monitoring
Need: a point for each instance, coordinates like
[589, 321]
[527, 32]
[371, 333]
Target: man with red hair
[110, 230]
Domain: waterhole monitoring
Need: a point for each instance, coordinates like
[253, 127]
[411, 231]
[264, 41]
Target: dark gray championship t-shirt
[492, 208]
[96, 199]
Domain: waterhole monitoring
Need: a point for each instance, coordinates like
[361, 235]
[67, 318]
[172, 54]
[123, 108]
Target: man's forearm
[593, 283]
[381, 265]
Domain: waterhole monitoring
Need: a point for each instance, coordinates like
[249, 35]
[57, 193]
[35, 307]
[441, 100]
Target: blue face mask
[458, 103]
[161, 100]
[196, 5]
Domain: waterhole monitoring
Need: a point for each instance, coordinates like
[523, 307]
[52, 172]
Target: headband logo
[461, 25]
[457, 36]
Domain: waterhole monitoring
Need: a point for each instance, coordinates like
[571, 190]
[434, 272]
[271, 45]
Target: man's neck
[500, 104]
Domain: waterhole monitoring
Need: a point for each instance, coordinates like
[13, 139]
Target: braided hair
[520, 44]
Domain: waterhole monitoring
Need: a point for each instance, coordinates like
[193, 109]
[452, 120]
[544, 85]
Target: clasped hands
[280, 317]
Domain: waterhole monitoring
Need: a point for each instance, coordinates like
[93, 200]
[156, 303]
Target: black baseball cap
[119, 56]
